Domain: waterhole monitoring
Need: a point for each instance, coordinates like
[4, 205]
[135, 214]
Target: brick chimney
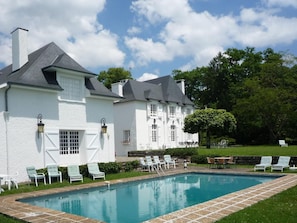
[19, 48]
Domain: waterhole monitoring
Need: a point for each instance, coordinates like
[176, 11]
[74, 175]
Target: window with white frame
[154, 133]
[172, 133]
[153, 109]
[188, 111]
[172, 111]
[69, 142]
[126, 136]
[72, 88]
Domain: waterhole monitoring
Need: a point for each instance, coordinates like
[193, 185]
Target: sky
[151, 38]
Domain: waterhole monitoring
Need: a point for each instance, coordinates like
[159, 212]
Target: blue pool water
[139, 201]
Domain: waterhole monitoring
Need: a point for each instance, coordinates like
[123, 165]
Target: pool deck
[205, 212]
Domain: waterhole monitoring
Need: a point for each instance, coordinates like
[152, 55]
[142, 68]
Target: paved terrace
[206, 212]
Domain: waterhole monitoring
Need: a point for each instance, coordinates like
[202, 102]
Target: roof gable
[162, 89]
[40, 71]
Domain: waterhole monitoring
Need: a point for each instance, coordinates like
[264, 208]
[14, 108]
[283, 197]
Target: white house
[48, 88]
[151, 115]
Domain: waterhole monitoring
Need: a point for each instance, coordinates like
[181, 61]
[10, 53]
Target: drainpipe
[6, 114]
[6, 98]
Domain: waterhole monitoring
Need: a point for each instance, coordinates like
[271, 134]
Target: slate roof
[163, 89]
[40, 69]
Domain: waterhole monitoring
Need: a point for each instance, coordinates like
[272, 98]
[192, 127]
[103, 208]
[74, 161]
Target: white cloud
[72, 25]
[201, 35]
[147, 50]
[281, 3]
[147, 76]
[134, 30]
[263, 29]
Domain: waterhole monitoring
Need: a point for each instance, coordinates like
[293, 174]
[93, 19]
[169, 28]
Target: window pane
[154, 133]
[153, 110]
[69, 142]
[63, 142]
[172, 132]
[74, 142]
[126, 136]
[172, 111]
[72, 88]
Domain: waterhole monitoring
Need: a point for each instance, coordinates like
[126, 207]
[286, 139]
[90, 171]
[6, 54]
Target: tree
[113, 75]
[192, 83]
[266, 107]
[211, 121]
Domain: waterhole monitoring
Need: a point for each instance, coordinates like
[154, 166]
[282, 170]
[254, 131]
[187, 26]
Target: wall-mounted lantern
[40, 125]
[103, 126]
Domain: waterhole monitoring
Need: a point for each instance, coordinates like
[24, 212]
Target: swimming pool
[142, 200]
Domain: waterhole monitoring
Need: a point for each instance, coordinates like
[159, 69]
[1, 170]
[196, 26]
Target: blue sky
[149, 37]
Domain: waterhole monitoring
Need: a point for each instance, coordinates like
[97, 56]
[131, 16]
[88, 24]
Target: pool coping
[206, 212]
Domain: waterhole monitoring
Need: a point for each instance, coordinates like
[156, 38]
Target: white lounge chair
[150, 163]
[282, 163]
[33, 175]
[264, 163]
[158, 162]
[94, 171]
[282, 143]
[169, 161]
[144, 165]
[52, 171]
[74, 174]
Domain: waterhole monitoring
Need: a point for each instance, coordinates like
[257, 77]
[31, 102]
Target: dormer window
[153, 110]
[73, 88]
[172, 111]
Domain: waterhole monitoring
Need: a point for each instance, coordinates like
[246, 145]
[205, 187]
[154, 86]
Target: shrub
[182, 152]
[112, 167]
[201, 159]
[129, 166]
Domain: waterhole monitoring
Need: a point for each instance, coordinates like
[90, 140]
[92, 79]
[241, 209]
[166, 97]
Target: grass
[279, 208]
[251, 151]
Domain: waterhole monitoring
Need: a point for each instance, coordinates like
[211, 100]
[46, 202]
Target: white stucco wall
[24, 147]
[134, 116]
[125, 119]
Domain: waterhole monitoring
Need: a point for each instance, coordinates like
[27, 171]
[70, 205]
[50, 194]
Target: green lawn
[279, 208]
[251, 151]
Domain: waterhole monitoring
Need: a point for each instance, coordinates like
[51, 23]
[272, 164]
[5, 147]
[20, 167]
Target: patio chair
[150, 162]
[53, 172]
[223, 143]
[74, 174]
[144, 165]
[33, 175]
[158, 162]
[11, 180]
[282, 143]
[264, 163]
[211, 162]
[169, 161]
[231, 162]
[282, 163]
[94, 171]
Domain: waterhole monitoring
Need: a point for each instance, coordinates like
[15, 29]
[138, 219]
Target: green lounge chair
[33, 175]
[52, 171]
[74, 174]
[94, 171]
